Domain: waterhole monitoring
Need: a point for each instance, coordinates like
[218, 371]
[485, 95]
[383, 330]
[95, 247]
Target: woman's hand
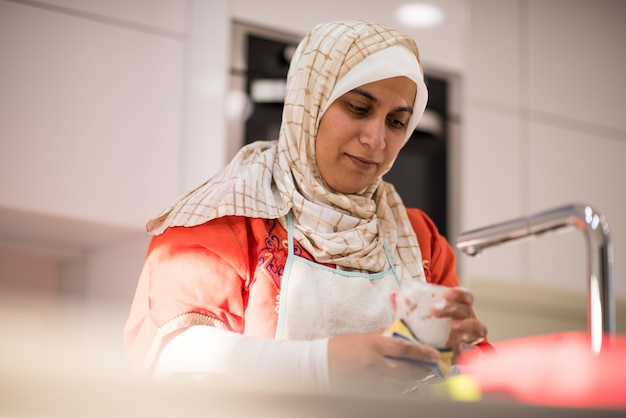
[466, 330]
[371, 360]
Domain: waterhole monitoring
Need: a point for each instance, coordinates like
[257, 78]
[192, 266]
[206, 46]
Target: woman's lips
[363, 164]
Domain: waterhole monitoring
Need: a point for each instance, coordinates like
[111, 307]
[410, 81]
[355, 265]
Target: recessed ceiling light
[419, 15]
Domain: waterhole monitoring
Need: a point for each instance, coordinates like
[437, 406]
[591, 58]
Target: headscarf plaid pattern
[267, 179]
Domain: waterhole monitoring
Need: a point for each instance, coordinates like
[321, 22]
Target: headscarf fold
[267, 179]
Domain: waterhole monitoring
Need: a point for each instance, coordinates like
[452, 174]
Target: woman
[282, 264]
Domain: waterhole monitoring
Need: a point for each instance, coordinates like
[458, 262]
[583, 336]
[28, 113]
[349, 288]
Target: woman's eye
[357, 109]
[397, 123]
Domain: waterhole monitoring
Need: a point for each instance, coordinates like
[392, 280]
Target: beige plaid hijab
[267, 179]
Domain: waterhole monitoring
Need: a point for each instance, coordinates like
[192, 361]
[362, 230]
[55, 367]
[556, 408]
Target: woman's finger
[459, 295]
[467, 331]
[452, 310]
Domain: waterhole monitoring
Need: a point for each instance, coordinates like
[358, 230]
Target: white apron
[318, 302]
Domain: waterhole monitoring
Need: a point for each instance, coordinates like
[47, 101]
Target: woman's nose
[373, 134]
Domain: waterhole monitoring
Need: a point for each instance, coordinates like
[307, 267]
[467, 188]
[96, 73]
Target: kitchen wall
[105, 111]
[544, 127]
[110, 110]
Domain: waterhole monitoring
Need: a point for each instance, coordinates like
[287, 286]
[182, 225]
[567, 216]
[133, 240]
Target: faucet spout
[600, 297]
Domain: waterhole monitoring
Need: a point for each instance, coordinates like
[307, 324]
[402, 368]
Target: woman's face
[361, 133]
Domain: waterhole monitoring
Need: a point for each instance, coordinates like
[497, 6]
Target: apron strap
[391, 266]
[284, 281]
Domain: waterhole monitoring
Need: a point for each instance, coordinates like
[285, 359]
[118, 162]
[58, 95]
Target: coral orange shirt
[227, 273]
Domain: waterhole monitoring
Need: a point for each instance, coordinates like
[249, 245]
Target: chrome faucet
[600, 297]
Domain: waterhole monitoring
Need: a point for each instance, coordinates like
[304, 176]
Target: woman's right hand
[372, 360]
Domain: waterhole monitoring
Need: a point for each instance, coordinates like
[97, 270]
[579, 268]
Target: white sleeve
[209, 350]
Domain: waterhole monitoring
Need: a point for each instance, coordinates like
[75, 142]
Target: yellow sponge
[400, 329]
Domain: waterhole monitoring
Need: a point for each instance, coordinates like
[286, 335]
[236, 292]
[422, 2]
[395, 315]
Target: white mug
[413, 306]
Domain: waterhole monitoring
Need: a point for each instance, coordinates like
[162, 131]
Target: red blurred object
[553, 370]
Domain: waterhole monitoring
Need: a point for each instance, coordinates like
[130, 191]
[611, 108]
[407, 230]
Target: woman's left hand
[466, 331]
